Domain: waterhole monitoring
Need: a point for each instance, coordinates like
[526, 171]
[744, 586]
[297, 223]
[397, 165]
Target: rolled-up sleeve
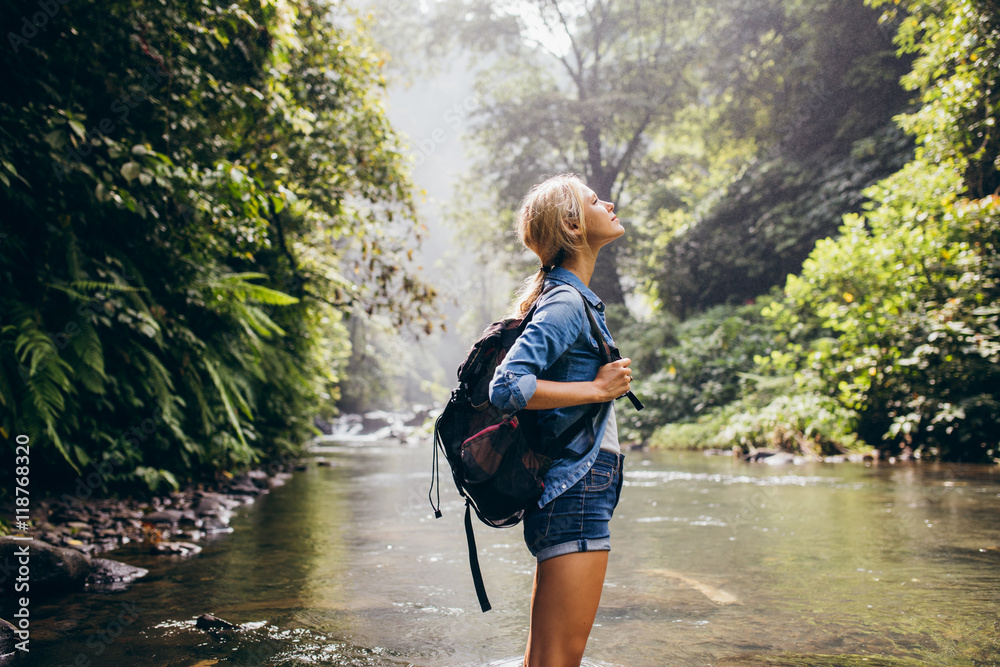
[511, 392]
[557, 322]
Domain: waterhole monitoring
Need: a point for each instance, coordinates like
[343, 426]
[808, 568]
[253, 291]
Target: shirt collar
[567, 277]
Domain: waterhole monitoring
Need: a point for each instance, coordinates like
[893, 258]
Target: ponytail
[542, 228]
[529, 292]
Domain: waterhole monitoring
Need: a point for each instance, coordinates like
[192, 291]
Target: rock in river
[7, 638]
[164, 516]
[209, 622]
[52, 569]
[176, 548]
[111, 574]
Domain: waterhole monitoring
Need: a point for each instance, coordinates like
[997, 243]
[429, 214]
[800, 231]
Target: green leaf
[130, 170]
[78, 129]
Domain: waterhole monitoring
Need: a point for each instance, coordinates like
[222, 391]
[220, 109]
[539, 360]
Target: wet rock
[377, 420]
[418, 418]
[214, 524]
[176, 548]
[163, 517]
[106, 573]
[279, 479]
[779, 459]
[207, 505]
[86, 548]
[758, 455]
[244, 487]
[325, 426]
[8, 638]
[209, 622]
[258, 477]
[52, 568]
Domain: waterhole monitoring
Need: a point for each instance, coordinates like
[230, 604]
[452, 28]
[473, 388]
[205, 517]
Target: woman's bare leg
[563, 607]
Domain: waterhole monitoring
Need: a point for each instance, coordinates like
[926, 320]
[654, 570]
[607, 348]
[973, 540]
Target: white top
[610, 440]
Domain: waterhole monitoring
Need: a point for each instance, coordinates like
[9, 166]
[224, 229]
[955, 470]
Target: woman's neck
[581, 265]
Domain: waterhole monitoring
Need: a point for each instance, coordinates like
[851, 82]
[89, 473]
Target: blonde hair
[541, 227]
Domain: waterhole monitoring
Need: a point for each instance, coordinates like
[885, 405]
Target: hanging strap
[477, 574]
[435, 472]
[609, 353]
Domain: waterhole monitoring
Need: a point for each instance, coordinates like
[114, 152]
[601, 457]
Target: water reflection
[714, 562]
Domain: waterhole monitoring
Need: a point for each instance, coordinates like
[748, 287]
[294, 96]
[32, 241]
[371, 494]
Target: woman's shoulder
[560, 293]
[562, 302]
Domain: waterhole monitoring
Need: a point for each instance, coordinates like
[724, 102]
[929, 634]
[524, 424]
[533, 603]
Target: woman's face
[603, 226]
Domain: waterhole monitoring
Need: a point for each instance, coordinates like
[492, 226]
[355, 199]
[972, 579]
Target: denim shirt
[557, 345]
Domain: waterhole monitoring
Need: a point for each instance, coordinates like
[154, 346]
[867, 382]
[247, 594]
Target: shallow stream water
[714, 562]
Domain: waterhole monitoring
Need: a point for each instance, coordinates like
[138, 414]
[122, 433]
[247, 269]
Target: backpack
[498, 459]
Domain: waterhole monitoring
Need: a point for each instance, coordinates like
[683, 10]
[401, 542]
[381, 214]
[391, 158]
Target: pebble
[176, 548]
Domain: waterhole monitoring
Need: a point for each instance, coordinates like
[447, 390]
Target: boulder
[112, 574]
[759, 454]
[53, 569]
[258, 477]
[780, 459]
[211, 504]
[7, 637]
[164, 516]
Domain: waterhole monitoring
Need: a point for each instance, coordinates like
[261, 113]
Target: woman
[555, 368]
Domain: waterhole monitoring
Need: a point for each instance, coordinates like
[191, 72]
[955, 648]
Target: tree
[574, 86]
[794, 123]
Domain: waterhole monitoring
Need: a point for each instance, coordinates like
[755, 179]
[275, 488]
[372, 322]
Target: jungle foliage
[896, 317]
[888, 335]
[194, 197]
[796, 120]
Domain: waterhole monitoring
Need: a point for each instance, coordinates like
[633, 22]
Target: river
[714, 562]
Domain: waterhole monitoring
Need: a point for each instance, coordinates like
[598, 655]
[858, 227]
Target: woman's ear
[572, 225]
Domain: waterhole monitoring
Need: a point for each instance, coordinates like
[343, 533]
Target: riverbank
[69, 533]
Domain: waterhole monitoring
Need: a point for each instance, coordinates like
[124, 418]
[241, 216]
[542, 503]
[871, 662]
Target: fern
[90, 353]
[224, 395]
[235, 284]
[95, 286]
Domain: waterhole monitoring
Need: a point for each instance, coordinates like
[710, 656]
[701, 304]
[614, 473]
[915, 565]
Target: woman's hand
[613, 380]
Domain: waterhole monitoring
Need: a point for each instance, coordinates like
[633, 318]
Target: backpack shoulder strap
[559, 446]
[602, 345]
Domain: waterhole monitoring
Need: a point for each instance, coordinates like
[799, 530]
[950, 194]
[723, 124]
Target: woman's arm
[557, 323]
[613, 380]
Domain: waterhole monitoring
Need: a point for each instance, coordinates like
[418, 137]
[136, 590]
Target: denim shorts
[577, 519]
